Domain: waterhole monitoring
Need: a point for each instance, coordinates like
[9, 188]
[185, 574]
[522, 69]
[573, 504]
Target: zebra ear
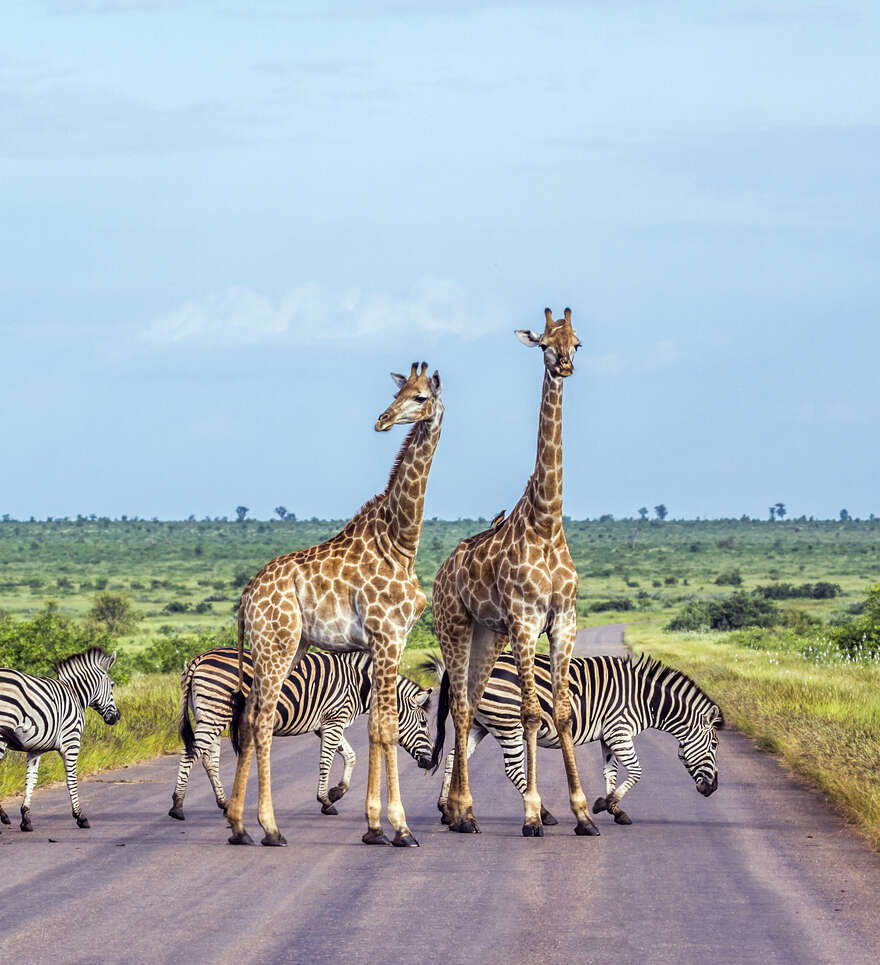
[423, 697]
[109, 661]
[718, 720]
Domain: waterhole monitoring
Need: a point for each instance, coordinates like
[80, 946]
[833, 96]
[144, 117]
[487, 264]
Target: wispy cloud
[312, 313]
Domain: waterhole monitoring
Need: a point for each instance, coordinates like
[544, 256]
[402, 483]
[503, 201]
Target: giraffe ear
[528, 337]
[436, 384]
[398, 379]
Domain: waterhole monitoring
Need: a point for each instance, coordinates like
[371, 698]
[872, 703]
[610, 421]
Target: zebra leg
[4, 817]
[33, 770]
[477, 733]
[69, 755]
[626, 754]
[346, 751]
[562, 635]
[514, 766]
[183, 770]
[609, 771]
[331, 735]
[211, 762]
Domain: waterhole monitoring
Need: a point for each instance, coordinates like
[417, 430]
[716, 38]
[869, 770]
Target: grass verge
[822, 719]
[149, 707]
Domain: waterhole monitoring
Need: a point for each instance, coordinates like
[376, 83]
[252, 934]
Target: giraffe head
[559, 343]
[417, 400]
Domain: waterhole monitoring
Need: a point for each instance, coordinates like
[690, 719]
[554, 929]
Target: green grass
[821, 716]
[149, 706]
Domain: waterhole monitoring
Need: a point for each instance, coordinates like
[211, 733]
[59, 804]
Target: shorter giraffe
[516, 580]
[355, 591]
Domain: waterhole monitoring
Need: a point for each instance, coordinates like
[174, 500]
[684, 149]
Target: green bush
[810, 591]
[616, 603]
[733, 612]
[861, 637]
[729, 578]
[34, 645]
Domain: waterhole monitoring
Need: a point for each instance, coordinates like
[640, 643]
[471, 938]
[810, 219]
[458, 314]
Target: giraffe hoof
[82, 822]
[404, 839]
[375, 836]
[445, 817]
[335, 793]
[622, 818]
[241, 837]
[465, 826]
[599, 806]
[533, 831]
[328, 809]
[586, 829]
[274, 840]
[177, 813]
[547, 818]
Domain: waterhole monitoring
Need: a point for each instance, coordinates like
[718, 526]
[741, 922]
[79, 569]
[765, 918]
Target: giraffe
[356, 591]
[515, 581]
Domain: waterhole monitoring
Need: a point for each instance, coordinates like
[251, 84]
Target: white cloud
[311, 313]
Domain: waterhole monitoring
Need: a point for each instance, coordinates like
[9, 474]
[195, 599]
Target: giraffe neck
[545, 486]
[405, 495]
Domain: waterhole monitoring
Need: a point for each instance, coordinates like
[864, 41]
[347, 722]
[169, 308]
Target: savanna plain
[779, 620]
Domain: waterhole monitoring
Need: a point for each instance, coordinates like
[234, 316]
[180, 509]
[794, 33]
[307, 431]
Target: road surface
[761, 872]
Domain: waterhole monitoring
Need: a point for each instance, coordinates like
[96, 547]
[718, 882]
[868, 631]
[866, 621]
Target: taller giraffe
[516, 580]
[356, 591]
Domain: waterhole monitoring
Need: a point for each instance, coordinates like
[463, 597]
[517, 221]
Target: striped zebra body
[323, 694]
[612, 699]
[39, 714]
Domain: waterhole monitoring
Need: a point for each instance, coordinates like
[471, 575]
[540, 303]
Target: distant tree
[772, 512]
[844, 515]
[112, 614]
[661, 511]
[643, 512]
[281, 512]
[780, 510]
[241, 512]
[606, 518]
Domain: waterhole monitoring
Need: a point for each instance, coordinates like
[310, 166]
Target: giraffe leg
[522, 640]
[478, 732]
[374, 834]
[235, 805]
[562, 636]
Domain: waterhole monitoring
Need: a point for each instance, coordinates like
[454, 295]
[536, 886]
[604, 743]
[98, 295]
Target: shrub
[787, 591]
[729, 578]
[861, 637]
[733, 612]
[34, 645]
[617, 603]
[112, 614]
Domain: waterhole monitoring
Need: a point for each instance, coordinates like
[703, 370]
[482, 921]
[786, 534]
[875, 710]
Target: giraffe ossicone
[355, 591]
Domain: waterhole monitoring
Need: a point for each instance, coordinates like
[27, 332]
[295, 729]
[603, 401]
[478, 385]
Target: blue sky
[222, 225]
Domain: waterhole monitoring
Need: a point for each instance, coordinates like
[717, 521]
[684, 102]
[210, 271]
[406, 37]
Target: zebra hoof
[177, 813]
[547, 818]
[82, 822]
[465, 826]
[26, 824]
[328, 809]
[335, 793]
[599, 806]
[532, 831]
[222, 805]
[4, 817]
[586, 829]
[375, 836]
[622, 818]
[274, 840]
[241, 837]
[404, 839]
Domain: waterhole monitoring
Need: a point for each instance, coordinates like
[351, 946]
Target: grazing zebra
[39, 714]
[324, 693]
[625, 697]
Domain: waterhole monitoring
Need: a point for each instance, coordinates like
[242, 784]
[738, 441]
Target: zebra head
[88, 675]
[698, 747]
[412, 712]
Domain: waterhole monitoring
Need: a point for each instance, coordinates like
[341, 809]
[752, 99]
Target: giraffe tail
[184, 726]
[238, 698]
[442, 714]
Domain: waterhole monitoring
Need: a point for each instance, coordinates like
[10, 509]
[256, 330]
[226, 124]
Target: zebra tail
[442, 714]
[238, 699]
[185, 725]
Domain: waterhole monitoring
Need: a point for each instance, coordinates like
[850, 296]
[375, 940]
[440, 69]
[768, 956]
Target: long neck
[405, 495]
[546, 482]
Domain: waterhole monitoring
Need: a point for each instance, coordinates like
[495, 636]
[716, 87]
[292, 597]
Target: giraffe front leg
[477, 733]
[330, 736]
[522, 641]
[33, 771]
[561, 645]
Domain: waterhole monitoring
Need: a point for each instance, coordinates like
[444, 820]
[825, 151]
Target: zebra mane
[96, 656]
[661, 673]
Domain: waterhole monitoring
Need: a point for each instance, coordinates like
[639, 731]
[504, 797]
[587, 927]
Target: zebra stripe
[324, 693]
[39, 714]
[612, 699]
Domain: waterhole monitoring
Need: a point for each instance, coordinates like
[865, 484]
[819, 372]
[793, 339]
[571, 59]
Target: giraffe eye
[420, 399]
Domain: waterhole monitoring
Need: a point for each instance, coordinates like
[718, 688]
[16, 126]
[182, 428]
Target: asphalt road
[760, 872]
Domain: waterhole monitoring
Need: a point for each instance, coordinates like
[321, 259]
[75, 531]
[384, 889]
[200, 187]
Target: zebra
[324, 693]
[39, 714]
[613, 699]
